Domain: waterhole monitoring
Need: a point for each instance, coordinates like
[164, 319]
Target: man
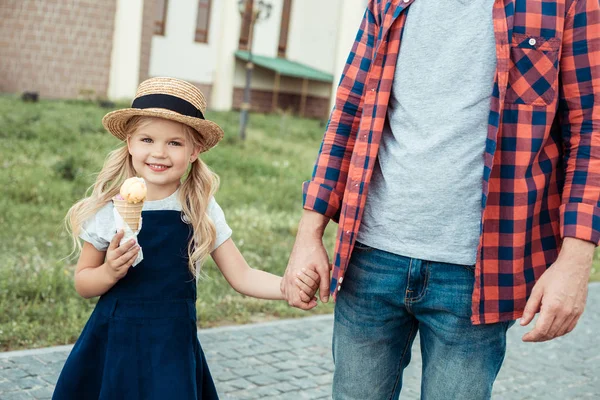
[462, 163]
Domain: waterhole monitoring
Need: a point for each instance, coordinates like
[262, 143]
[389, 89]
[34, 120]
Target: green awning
[286, 67]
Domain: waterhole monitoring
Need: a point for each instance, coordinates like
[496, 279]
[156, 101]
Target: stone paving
[291, 359]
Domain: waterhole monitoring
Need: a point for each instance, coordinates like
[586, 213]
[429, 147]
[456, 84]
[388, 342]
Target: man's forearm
[578, 250]
[312, 225]
[308, 252]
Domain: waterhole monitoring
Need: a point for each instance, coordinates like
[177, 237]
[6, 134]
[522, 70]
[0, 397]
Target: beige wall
[56, 47]
[312, 35]
[312, 41]
[266, 32]
[125, 59]
[176, 53]
[229, 33]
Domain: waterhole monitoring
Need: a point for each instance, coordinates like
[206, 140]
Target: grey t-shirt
[424, 199]
[101, 228]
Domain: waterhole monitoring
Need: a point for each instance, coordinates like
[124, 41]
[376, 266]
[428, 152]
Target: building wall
[311, 41]
[266, 31]
[262, 102]
[212, 66]
[176, 53]
[125, 62]
[229, 32]
[55, 47]
[63, 48]
[312, 35]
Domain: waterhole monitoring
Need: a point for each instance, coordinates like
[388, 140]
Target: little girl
[140, 341]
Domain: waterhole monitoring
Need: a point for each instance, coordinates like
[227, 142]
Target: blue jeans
[384, 301]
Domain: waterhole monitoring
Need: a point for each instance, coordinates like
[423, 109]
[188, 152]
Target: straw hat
[171, 99]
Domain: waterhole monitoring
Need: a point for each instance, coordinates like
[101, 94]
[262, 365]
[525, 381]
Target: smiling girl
[140, 341]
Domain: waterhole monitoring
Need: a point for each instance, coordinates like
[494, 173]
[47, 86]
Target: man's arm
[323, 193]
[561, 291]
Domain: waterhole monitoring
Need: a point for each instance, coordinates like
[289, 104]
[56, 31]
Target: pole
[303, 98]
[275, 102]
[245, 108]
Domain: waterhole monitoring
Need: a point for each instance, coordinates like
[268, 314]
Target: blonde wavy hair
[195, 192]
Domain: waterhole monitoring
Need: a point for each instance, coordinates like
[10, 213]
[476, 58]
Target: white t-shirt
[101, 228]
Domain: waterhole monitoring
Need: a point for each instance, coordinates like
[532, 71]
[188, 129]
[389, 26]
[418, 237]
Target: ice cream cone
[130, 212]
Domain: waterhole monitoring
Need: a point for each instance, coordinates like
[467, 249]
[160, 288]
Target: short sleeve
[100, 229]
[218, 217]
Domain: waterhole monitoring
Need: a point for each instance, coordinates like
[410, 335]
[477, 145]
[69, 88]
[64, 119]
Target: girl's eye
[147, 140]
[174, 143]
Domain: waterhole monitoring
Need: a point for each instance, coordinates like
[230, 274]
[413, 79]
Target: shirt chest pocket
[533, 70]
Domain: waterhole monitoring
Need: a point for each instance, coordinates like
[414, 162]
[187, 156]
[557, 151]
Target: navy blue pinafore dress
[140, 341]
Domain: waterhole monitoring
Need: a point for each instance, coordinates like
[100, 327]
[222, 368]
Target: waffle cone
[130, 212]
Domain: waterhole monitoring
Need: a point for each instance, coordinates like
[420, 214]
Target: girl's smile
[158, 167]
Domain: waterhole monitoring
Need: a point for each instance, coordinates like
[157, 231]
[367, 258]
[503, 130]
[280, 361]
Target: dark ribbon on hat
[168, 102]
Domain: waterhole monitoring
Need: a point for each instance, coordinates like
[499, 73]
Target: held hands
[307, 282]
[120, 257]
[307, 270]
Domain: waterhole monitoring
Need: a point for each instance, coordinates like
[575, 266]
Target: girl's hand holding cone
[120, 258]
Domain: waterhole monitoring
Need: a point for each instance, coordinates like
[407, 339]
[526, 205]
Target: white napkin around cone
[128, 234]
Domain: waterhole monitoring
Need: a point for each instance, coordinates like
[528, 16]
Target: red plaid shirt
[541, 180]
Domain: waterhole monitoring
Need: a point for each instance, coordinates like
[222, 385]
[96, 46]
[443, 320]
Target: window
[284, 27]
[246, 22]
[160, 16]
[202, 21]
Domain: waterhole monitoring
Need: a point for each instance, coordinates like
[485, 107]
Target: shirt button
[340, 280]
[372, 90]
[356, 185]
[348, 233]
[339, 288]
[406, 1]
[532, 42]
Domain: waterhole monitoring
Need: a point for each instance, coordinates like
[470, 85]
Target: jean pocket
[469, 267]
[358, 246]
[533, 71]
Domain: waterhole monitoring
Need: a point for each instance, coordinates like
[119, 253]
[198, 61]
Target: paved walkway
[292, 360]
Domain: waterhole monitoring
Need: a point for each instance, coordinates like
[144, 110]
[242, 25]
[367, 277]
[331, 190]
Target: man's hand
[308, 253]
[560, 293]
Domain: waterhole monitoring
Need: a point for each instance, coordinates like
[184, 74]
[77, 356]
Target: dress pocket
[533, 70]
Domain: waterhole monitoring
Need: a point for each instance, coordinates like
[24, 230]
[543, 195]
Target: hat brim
[116, 121]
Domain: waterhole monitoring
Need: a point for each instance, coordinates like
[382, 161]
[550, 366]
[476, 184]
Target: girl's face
[161, 152]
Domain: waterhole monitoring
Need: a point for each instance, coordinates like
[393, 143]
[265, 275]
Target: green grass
[595, 276]
[49, 156]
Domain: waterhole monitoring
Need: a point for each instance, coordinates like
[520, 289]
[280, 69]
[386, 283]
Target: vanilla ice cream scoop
[133, 190]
